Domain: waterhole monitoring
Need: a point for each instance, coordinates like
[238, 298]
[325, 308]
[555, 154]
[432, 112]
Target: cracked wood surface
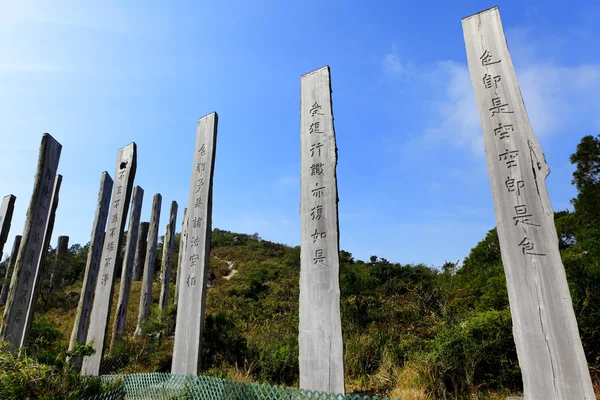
[548, 345]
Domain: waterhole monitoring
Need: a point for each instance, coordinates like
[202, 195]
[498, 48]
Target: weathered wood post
[167, 257]
[140, 251]
[124, 176]
[30, 253]
[9, 269]
[61, 249]
[127, 270]
[320, 334]
[6, 213]
[182, 239]
[37, 280]
[192, 289]
[86, 298]
[146, 294]
[549, 349]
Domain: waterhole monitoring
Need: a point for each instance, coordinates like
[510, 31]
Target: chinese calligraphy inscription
[549, 349]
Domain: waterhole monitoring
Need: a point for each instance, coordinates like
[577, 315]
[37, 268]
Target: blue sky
[412, 180]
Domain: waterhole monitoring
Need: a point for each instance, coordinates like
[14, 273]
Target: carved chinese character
[36, 236]
[318, 235]
[190, 281]
[121, 175]
[314, 110]
[511, 185]
[198, 202]
[110, 246]
[315, 147]
[199, 184]
[503, 130]
[116, 203]
[113, 218]
[23, 296]
[527, 246]
[316, 213]
[104, 279]
[18, 316]
[315, 128]
[195, 241]
[27, 275]
[107, 261]
[39, 222]
[316, 169]
[318, 192]
[119, 189]
[498, 107]
[491, 81]
[319, 256]
[202, 150]
[522, 216]
[31, 257]
[196, 221]
[112, 232]
[510, 158]
[201, 167]
[486, 59]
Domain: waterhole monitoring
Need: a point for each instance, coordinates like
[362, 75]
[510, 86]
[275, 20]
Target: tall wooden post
[549, 349]
[320, 334]
[146, 294]
[9, 269]
[86, 298]
[32, 250]
[140, 251]
[124, 176]
[127, 270]
[167, 258]
[62, 248]
[192, 288]
[6, 213]
[182, 239]
[37, 280]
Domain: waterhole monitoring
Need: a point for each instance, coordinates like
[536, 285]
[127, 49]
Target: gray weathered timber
[86, 298]
[40, 272]
[61, 249]
[31, 250]
[549, 349]
[194, 266]
[321, 356]
[140, 251]
[127, 270]
[167, 257]
[6, 213]
[182, 238]
[124, 176]
[9, 269]
[146, 293]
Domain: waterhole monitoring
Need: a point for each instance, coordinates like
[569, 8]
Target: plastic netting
[168, 386]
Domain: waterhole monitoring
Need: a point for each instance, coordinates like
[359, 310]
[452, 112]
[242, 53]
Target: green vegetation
[410, 331]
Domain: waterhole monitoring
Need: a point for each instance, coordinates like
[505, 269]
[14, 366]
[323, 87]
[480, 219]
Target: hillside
[409, 331]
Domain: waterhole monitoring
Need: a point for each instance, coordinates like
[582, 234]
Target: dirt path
[230, 265]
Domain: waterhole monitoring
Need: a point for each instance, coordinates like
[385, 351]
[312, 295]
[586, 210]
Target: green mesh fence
[167, 386]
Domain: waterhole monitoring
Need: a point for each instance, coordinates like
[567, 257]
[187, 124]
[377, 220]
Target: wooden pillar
[167, 257]
[9, 269]
[192, 288]
[61, 249]
[146, 294]
[182, 239]
[124, 176]
[86, 298]
[140, 251]
[549, 349]
[320, 335]
[127, 270]
[32, 248]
